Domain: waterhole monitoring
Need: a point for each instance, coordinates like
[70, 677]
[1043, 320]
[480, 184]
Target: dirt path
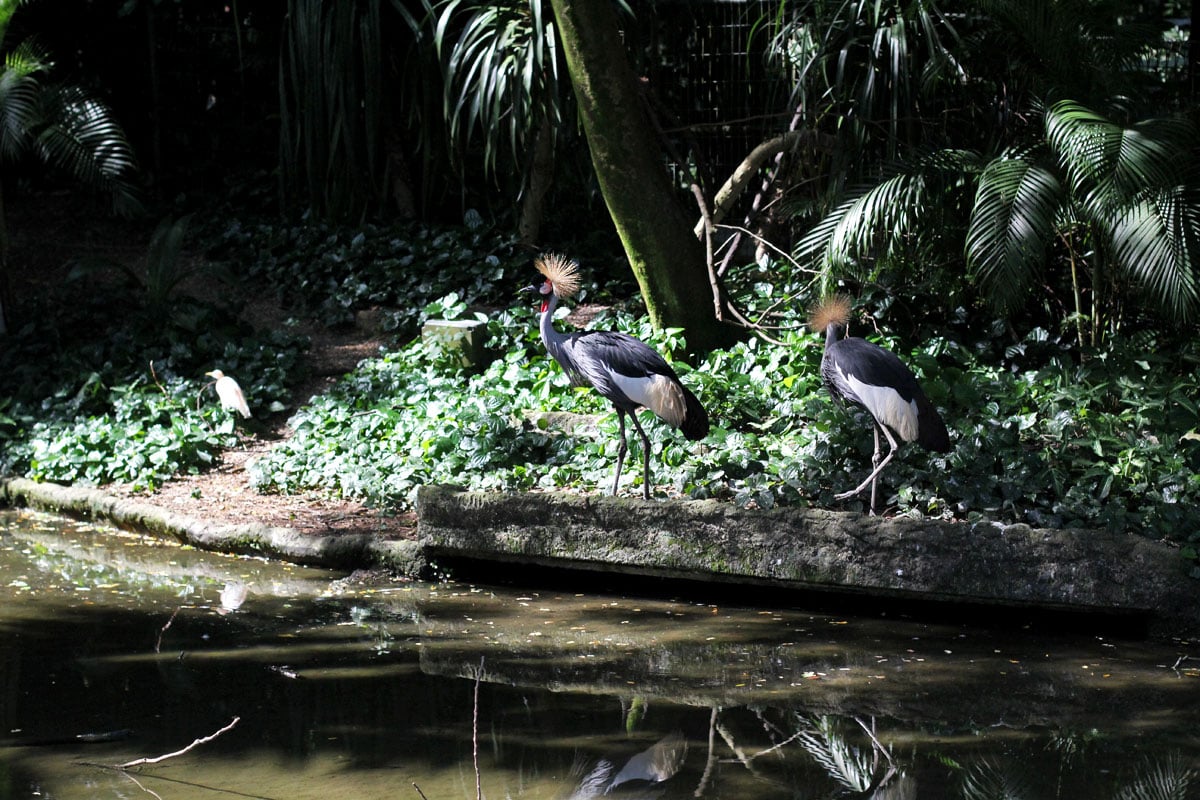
[48, 238]
[224, 494]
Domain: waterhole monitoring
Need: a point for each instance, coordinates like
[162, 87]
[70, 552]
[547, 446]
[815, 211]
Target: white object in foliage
[230, 393]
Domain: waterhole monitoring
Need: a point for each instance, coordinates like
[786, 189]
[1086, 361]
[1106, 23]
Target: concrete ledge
[339, 551]
[1084, 571]
[1066, 570]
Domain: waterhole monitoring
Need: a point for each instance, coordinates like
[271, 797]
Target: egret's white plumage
[229, 393]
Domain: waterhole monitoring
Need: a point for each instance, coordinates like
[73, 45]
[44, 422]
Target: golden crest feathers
[562, 272]
[833, 310]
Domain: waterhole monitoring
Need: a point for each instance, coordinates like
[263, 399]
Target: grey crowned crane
[621, 368]
[863, 373]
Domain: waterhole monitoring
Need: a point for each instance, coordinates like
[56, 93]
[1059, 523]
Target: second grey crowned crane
[621, 368]
[860, 372]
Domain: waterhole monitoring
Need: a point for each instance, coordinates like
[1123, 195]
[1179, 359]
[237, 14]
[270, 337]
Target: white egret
[229, 393]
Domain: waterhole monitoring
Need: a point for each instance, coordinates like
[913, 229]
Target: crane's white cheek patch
[886, 405]
[657, 393]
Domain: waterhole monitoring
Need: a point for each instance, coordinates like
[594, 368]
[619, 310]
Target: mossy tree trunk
[667, 258]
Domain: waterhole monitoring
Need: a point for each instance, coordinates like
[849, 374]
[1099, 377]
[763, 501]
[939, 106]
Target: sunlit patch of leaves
[1043, 432]
[1100, 441]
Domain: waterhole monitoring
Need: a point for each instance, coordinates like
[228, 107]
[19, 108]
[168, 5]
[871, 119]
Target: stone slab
[989, 563]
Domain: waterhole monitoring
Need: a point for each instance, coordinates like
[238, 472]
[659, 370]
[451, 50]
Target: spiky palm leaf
[331, 108]
[501, 73]
[842, 761]
[1108, 164]
[1064, 48]
[65, 126]
[1158, 240]
[1166, 779]
[1135, 186]
[80, 135]
[990, 781]
[1016, 205]
[893, 215]
[20, 97]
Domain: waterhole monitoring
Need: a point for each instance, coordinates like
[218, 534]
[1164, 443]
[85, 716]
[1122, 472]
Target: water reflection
[348, 688]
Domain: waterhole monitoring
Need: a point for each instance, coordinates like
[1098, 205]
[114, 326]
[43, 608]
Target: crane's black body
[624, 370]
[865, 374]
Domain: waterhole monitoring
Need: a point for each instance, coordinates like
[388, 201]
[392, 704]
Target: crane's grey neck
[550, 337]
[831, 333]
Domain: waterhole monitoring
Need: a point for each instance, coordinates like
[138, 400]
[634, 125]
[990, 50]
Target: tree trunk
[541, 174]
[667, 259]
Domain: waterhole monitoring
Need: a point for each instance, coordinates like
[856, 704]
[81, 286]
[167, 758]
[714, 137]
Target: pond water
[311, 684]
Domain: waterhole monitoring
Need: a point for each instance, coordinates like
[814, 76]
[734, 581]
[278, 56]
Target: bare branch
[138, 784]
[158, 643]
[706, 219]
[137, 762]
[475, 734]
[736, 184]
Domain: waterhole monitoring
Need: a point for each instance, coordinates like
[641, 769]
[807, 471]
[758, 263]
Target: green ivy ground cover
[1042, 432]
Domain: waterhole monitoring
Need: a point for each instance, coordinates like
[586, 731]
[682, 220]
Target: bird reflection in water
[657, 763]
[233, 594]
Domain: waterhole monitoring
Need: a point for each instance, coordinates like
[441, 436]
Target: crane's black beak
[537, 287]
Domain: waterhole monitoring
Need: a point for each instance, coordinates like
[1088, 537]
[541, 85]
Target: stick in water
[137, 762]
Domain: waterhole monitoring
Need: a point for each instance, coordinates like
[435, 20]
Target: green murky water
[115, 648]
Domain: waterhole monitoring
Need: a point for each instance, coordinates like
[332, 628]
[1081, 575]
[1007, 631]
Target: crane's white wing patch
[655, 392]
[887, 406]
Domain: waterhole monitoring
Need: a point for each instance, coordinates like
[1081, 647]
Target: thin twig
[418, 788]
[137, 762]
[157, 383]
[702, 787]
[870, 732]
[475, 734]
[158, 644]
[706, 217]
[775, 747]
[139, 785]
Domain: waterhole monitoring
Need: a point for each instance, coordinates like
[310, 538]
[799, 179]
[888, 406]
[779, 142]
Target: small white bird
[229, 393]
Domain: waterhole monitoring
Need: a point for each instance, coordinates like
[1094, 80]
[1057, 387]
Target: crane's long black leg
[622, 450]
[875, 472]
[645, 456]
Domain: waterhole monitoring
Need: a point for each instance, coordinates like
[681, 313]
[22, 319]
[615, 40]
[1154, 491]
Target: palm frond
[987, 780]
[21, 92]
[1158, 241]
[82, 136]
[843, 762]
[1012, 224]
[881, 220]
[500, 75]
[1165, 779]
[1108, 164]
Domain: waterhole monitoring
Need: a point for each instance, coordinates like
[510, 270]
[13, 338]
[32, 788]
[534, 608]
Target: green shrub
[1042, 432]
[100, 392]
[330, 271]
[1101, 443]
